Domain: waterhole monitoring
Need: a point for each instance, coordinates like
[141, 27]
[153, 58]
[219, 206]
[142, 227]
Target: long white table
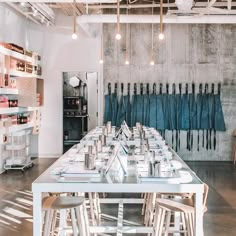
[130, 184]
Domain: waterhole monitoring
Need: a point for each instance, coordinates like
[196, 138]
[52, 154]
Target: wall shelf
[16, 128]
[16, 55]
[15, 73]
[10, 91]
[15, 110]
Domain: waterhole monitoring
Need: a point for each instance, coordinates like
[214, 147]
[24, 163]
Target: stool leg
[73, 221]
[144, 203]
[168, 216]
[161, 226]
[183, 223]
[48, 222]
[62, 222]
[91, 202]
[54, 221]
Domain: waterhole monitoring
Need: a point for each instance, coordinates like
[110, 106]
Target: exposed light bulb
[152, 63]
[126, 62]
[118, 36]
[74, 36]
[22, 4]
[101, 61]
[161, 36]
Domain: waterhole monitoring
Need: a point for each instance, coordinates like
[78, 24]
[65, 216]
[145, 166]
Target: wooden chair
[184, 206]
[78, 214]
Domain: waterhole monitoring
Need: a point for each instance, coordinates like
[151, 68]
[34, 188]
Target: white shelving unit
[29, 93]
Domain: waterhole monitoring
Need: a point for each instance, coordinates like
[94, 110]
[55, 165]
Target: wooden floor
[220, 220]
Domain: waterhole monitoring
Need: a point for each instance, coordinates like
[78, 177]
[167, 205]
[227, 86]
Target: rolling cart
[18, 151]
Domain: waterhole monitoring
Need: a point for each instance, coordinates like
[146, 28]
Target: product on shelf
[28, 53]
[28, 68]
[4, 102]
[16, 48]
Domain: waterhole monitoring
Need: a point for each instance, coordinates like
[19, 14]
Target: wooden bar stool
[184, 206]
[77, 208]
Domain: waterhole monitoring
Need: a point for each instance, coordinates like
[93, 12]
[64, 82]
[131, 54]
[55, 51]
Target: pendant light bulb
[118, 36]
[126, 62]
[161, 36]
[74, 36]
[152, 63]
[101, 61]
[22, 4]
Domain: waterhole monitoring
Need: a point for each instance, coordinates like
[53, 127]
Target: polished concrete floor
[220, 220]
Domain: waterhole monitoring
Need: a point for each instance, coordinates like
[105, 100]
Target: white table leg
[37, 213]
[199, 214]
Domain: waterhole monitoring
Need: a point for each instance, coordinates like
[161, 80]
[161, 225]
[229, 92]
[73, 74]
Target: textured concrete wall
[190, 53]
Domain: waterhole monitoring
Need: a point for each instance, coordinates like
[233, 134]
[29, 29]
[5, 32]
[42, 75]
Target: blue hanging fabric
[211, 115]
[185, 112]
[146, 107]
[127, 107]
[139, 109]
[171, 112]
[219, 116]
[193, 115]
[121, 109]
[134, 107]
[140, 106]
[115, 106]
[178, 115]
[205, 116]
[160, 123]
[108, 106]
[199, 112]
[153, 108]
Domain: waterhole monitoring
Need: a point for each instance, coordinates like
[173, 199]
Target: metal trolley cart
[18, 151]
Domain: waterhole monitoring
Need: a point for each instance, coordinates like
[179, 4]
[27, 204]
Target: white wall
[13, 27]
[59, 54]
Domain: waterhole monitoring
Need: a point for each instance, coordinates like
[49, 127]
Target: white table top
[47, 182]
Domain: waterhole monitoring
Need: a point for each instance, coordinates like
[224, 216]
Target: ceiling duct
[184, 5]
[173, 19]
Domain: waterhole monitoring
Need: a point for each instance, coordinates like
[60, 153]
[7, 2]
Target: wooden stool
[148, 209]
[184, 206]
[78, 214]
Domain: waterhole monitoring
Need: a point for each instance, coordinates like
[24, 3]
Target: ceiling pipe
[63, 1]
[172, 19]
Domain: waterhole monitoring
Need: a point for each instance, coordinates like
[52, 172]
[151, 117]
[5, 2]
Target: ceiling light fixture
[127, 39]
[74, 35]
[161, 35]
[22, 4]
[118, 35]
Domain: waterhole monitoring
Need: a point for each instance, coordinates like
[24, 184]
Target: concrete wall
[189, 53]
